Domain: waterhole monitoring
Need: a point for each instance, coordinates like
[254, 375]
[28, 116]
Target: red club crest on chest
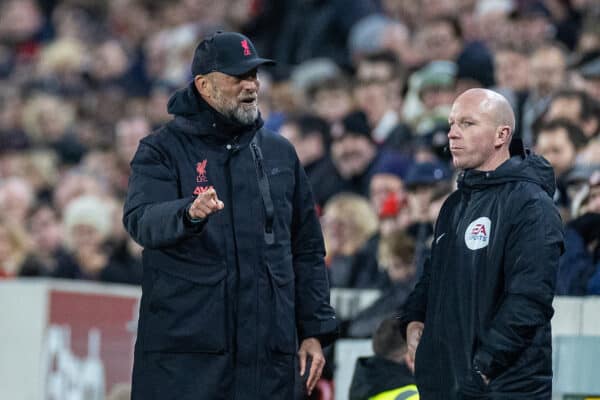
[201, 170]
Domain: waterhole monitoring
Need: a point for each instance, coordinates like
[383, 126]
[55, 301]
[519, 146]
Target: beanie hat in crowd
[475, 62]
[438, 73]
[88, 210]
[392, 164]
[427, 174]
[356, 123]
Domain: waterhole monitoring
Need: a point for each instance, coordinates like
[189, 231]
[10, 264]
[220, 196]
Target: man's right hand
[414, 330]
[205, 204]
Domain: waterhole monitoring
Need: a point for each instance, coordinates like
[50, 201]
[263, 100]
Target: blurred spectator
[353, 156]
[330, 98]
[61, 66]
[310, 136]
[14, 247]
[306, 24]
[47, 238]
[475, 68]
[439, 39]
[20, 21]
[388, 180]
[88, 222]
[432, 145]
[579, 268]
[16, 199]
[348, 222]
[577, 107]
[531, 21]
[73, 185]
[547, 69]
[590, 73]
[380, 34]
[307, 76]
[12, 136]
[380, 80]
[389, 372]
[511, 71]
[396, 257]
[156, 106]
[48, 121]
[559, 141]
[434, 85]
[426, 184]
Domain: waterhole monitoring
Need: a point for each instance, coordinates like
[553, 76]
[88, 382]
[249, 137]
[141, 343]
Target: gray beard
[235, 112]
[244, 117]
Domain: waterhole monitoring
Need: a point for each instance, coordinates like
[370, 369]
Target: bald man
[478, 321]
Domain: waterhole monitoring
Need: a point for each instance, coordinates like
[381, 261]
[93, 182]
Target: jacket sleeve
[314, 315]
[154, 214]
[533, 247]
[415, 307]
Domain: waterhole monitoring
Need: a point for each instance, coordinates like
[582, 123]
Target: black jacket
[486, 296]
[222, 311]
[374, 375]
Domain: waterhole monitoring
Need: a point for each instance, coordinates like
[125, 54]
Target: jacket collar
[193, 115]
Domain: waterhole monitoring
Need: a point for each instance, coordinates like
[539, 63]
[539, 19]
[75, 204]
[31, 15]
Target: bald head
[481, 127]
[491, 104]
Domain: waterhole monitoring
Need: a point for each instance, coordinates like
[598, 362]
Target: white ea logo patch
[477, 235]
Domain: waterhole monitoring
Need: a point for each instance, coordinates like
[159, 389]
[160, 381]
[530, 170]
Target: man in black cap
[234, 287]
[353, 156]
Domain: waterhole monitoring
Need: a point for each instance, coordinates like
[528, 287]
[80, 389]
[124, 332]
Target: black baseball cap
[228, 52]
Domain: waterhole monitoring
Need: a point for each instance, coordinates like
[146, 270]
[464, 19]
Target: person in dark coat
[235, 296]
[479, 317]
[388, 375]
[354, 156]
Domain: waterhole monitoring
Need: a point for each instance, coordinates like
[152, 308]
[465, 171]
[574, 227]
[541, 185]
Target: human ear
[202, 85]
[503, 134]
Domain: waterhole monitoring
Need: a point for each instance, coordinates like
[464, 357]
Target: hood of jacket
[193, 115]
[528, 167]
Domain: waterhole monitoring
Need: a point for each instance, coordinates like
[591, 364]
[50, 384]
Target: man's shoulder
[158, 137]
[525, 192]
[270, 137]
[272, 141]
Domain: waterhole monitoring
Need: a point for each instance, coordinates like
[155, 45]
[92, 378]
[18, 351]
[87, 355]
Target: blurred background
[362, 89]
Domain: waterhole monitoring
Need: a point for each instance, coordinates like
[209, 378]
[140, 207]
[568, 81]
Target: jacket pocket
[283, 312]
[474, 385]
[186, 310]
[281, 180]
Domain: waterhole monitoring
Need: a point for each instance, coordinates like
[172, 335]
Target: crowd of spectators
[362, 89]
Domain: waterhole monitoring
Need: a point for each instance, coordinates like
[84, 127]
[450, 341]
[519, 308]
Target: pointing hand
[205, 204]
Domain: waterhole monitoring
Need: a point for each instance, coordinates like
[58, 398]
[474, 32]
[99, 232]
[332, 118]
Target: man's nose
[453, 133]
[251, 84]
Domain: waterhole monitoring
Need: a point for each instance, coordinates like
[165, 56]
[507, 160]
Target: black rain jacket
[486, 294]
[223, 307]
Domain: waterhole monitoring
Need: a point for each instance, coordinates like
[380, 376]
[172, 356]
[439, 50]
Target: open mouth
[249, 100]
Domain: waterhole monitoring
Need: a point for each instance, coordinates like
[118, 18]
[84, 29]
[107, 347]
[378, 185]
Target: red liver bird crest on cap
[246, 47]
